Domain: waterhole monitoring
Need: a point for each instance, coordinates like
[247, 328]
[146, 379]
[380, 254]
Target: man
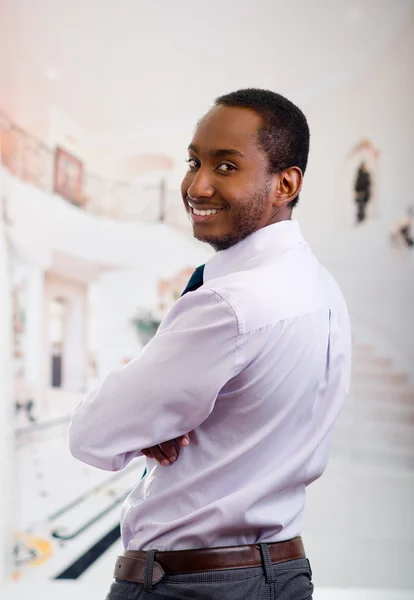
[362, 189]
[253, 361]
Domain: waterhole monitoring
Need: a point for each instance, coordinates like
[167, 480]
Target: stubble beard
[246, 219]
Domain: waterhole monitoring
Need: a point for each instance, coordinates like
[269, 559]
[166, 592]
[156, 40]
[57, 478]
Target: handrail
[97, 488]
[56, 171]
[25, 133]
[58, 534]
[21, 431]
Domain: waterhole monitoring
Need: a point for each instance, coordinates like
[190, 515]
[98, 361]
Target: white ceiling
[135, 74]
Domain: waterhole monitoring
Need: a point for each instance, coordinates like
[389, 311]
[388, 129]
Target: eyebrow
[219, 152]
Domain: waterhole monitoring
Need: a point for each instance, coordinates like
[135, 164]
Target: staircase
[376, 425]
[359, 519]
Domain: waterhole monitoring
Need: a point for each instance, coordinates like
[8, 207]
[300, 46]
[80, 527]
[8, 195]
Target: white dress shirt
[256, 365]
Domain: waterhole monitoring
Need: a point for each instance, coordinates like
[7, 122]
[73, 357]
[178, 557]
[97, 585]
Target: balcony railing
[57, 172]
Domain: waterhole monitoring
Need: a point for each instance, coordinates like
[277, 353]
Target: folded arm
[167, 391]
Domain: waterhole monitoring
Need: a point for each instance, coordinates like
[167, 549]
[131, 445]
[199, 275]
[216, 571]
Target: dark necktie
[195, 281]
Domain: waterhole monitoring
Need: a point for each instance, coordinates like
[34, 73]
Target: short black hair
[284, 135]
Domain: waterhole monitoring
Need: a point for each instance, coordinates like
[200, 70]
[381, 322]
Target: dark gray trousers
[291, 580]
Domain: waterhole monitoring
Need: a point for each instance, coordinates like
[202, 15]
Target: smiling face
[228, 191]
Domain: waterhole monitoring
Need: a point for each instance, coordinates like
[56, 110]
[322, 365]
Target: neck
[280, 214]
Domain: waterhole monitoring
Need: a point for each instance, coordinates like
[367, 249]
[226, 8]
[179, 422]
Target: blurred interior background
[98, 101]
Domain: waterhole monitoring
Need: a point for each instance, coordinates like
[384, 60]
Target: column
[34, 341]
[7, 455]
[74, 350]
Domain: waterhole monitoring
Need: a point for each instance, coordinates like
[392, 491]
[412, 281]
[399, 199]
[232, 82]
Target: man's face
[227, 190]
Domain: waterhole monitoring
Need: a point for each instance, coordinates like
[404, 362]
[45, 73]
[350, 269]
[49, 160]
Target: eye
[192, 163]
[226, 167]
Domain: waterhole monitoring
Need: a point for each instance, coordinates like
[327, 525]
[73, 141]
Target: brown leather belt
[131, 565]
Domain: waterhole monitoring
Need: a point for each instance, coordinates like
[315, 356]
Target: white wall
[378, 282]
[359, 521]
[120, 294]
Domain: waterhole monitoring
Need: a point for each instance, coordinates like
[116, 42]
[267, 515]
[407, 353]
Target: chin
[217, 242]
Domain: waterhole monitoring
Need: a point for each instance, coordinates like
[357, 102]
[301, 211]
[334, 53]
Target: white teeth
[205, 213]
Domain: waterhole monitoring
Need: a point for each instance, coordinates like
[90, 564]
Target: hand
[167, 452]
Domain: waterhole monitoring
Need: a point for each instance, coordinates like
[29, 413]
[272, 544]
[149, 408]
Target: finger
[159, 456]
[147, 452]
[184, 440]
[169, 450]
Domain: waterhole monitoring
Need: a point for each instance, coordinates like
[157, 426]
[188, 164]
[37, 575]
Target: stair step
[394, 413]
[375, 447]
[374, 456]
[371, 367]
[377, 389]
[386, 401]
[391, 403]
[363, 349]
[370, 433]
[376, 359]
[382, 376]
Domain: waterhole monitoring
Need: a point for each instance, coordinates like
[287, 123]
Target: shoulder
[274, 291]
[205, 307]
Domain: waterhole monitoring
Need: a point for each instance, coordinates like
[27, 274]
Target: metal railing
[35, 163]
[24, 156]
[29, 430]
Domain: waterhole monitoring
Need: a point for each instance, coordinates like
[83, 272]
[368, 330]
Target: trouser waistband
[150, 567]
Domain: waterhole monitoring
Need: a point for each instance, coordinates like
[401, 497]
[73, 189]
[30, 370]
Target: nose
[200, 186]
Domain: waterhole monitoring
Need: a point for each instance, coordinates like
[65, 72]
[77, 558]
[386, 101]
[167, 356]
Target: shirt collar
[274, 238]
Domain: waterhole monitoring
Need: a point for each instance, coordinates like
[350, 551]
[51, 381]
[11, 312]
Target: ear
[288, 186]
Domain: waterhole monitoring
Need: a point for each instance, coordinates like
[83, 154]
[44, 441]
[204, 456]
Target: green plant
[146, 325]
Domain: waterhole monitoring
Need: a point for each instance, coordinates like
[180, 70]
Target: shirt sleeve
[168, 390]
